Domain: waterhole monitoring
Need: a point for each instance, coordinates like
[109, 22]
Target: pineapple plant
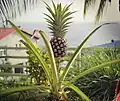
[56, 89]
[58, 22]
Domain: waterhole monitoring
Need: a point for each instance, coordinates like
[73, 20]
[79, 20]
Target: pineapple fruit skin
[59, 46]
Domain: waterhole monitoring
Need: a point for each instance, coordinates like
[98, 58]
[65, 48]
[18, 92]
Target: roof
[4, 32]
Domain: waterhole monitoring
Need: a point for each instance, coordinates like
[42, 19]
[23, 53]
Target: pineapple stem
[58, 64]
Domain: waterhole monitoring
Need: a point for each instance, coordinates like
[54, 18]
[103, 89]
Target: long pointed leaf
[34, 49]
[78, 50]
[95, 69]
[10, 9]
[46, 70]
[77, 90]
[51, 56]
[50, 10]
[66, 9]
[55, 8]
[20, 89]
[88, 3]
[101, 9]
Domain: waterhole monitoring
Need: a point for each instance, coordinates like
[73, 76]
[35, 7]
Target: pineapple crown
[59, 19]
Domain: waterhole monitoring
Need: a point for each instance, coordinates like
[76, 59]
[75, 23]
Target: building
[11, 49]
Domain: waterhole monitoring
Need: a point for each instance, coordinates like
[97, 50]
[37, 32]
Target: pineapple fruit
[58, 22]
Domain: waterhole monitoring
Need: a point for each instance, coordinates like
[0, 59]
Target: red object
[5, 32]
[117, 91]
[118, 97]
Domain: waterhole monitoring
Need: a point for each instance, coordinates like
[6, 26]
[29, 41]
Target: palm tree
[10, 9]
[101, 8]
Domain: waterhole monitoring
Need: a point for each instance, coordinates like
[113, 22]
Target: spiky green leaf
[77, 90]
[20, 89]
[35, 51]
[78, 50]
[58, 18]
[52, 59]
[95, 68]
[87, 4]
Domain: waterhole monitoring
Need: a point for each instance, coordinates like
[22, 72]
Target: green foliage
[4, 83]
[11, 9]
[100, 85]
[23, 94]
[101, 7]
[101, 55]
[59, 19]
[7, 69]
[34, 69]
[56, 80]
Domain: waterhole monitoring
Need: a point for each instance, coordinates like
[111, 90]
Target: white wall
[11, 41]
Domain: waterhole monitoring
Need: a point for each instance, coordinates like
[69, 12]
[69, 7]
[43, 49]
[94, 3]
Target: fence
[4, 54]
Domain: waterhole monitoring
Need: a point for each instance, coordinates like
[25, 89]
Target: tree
[101, 8]
[10, 9]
